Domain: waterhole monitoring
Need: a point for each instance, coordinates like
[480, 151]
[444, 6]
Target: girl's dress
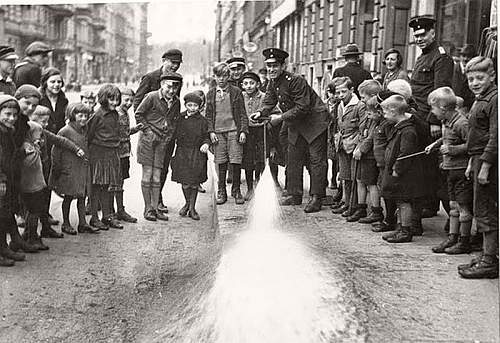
[70, 174]
[189, 165]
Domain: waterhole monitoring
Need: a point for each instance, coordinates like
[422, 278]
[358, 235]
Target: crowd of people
[398, 146]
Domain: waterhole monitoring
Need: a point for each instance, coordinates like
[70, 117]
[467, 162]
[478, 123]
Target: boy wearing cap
[29, 71]
[236, 68]
[228, 128]
[7, 59]
[352, 67]
[306, 118]
[158, 113]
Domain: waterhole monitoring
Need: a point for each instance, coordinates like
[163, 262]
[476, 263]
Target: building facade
[92, 42]
[315, 31]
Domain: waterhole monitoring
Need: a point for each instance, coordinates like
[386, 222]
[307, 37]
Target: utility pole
[219, 29]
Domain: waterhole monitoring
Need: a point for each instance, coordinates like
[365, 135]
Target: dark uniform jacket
[7, 86]
[237, 108]
[355, 72]
[461, 86]
[27, 72]
[303, 110]
[483, 124]
[433, 69]
[149, 82]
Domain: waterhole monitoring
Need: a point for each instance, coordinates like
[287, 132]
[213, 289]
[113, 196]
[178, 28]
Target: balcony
[61, 10]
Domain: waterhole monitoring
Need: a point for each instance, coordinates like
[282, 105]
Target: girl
[104, 140]
[70, 175]
[189, 164]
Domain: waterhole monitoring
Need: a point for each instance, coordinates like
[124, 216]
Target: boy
[88, 98]
[158, 113]
[349, 116]
[253, 150]
[402, 180]
[367, 174]
[452, 146]
[482, 168]
[228, 128]
[124, 152]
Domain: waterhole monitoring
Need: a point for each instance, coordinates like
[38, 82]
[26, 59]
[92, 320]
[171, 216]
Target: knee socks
[119, 201]
[236, 168]
[146, 194]
[80, 206]
[222, 175]
[155, 194]
[249, 178]
[66, 205]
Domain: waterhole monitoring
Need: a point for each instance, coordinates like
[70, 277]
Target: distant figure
[460, 85]
[352, 68]
[29, 71]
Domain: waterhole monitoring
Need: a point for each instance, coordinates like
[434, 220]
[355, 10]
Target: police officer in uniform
[433, 69]
[306, 117]
[171, 61]
[29, 70]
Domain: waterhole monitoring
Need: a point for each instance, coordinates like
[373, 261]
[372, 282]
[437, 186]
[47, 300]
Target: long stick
[410, 156]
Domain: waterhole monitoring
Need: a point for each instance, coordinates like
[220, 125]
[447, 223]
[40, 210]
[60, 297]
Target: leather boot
[337, 196]
[460, 247]
[185, 209]
[383, 226]
[95, 222]
[192, 202]
[359, 213]
[314, 205]
[375, 216]
[486, 268]
[472, 262]
[448, 242]
[221, 196]
[17, 243]
[340, 209]
[402, 236]
[5, 252]
[111, 222]
[291, 200]
[49, 232]
[393, 233]
[349, 212]
[124, 216]
[337, 205]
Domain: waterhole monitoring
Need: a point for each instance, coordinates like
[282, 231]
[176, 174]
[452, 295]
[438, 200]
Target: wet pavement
[278, 276]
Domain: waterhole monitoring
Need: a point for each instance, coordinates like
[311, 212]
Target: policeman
[171, 61]
[7, 60]
[29, 70]
[306, 117]
[433, 69]
[237, 67]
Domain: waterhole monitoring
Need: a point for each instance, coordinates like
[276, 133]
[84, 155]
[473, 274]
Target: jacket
[70, 175]
[455, 134]
[8, 200]
[237, 108]
[7, 86]
[349, 118]
[57, 118]
[433, 69]
[303, 110]
[149, 82]
[366, 132]
[103, 129]
[355, 72]
[380, 136]
[483, 126]
[27, 72]
[410, 182]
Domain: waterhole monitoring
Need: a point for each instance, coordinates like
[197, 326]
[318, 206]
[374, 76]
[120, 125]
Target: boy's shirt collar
[352, 102]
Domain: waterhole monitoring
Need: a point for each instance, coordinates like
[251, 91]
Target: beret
[6, 98]
[175, 55]
[50, 71]
[27, 91]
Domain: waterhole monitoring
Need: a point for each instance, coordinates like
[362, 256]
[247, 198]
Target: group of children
[380, 147]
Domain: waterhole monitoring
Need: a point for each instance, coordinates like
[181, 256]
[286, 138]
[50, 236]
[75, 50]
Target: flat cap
[174, 55]
[7, 53]
[421, 24]
[274, 55]
[351, 50]
[37, 48]
[250, 75]
[27, 91]
[172, 76]
[235, 61]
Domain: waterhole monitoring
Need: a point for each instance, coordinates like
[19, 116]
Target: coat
[303, 110]
[149, 82]
[410, 183]
[355, 72]
[237, 108]
[70, 175]
[8, 201]
[349, 118]
[27, 72]
[7, 86]
[57, 118]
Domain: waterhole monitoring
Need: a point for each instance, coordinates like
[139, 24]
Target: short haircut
[443, 97]
[399, 56]
[221, 69]
[460, 102]
[369, 87]
[372, 104]
[106, 92]
[480, 63]
[10, 104]
[341, 80]
[400, 86]
[396, 102]
[41, 111]
[74, 108]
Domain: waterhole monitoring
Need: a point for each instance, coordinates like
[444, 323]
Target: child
[104, 140]
[124, 153]
[402, 180]
[9, 109]
[228, 128]
[461, 109]
[482, 168]
[253, 150]
[158, 113]
[87, 98]
[332, 102]
[349, 116]
[201, 94]
[367, 171]
[189, 165]
[452, 146]
[70, 176]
